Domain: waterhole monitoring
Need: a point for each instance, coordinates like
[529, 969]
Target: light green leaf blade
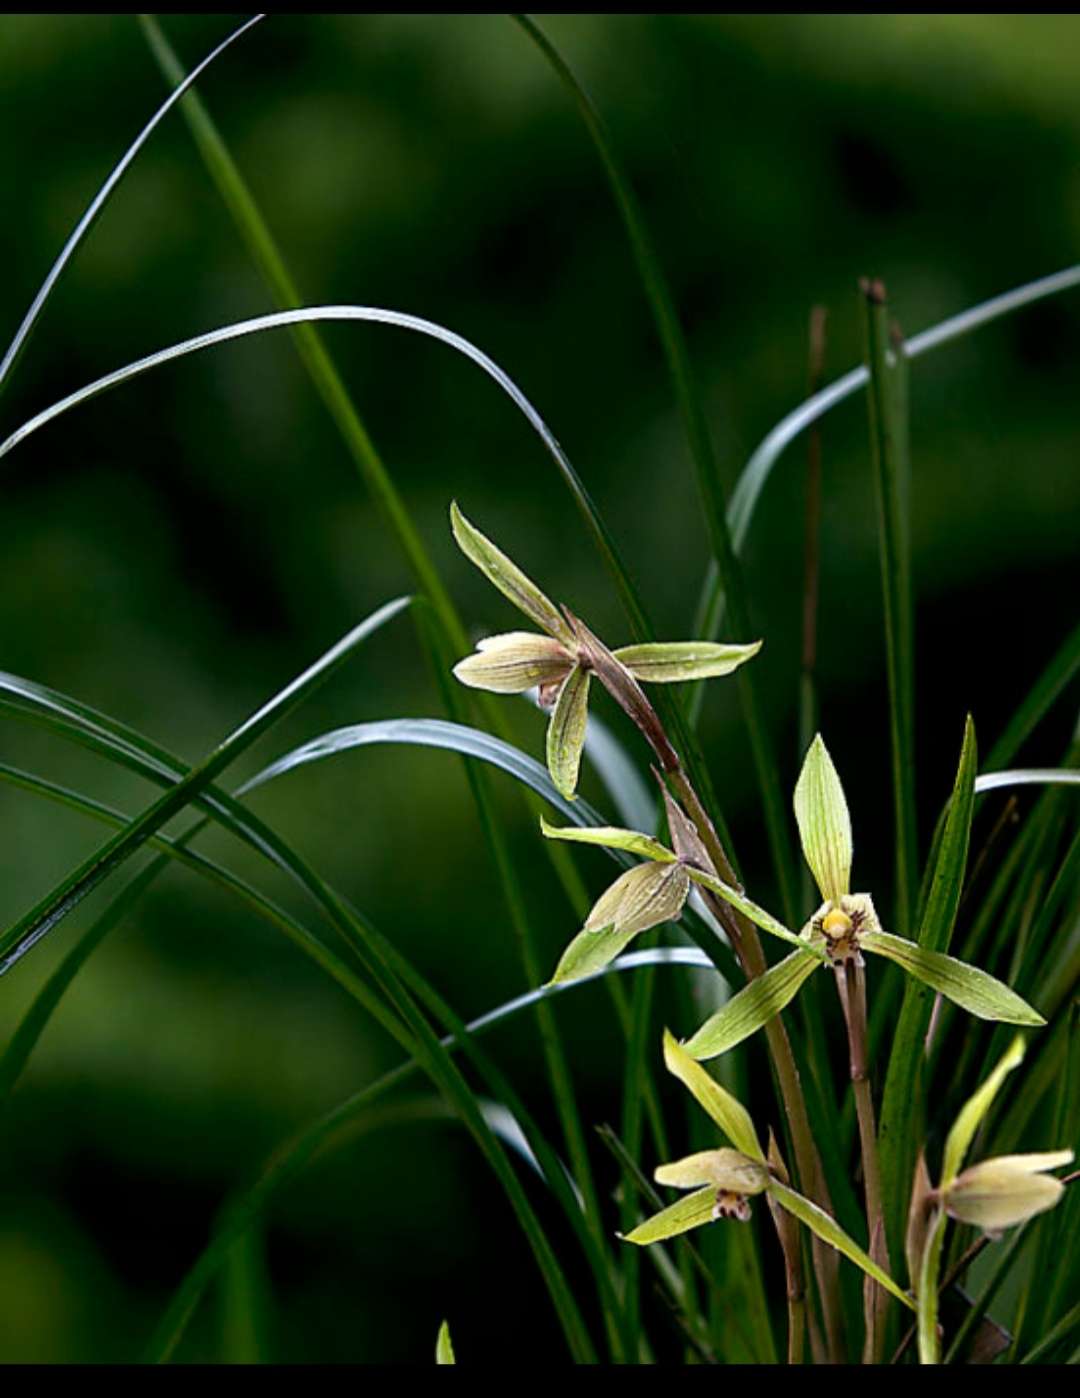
[821, 812]
[729, 1114]
[754, 1005]
[974, 1109]
[689, 1212]
[826, 1228]
[444, 1349]
[674, 662]
[566, 732]
[757, 915]
[973, 990]
[611, 837]
[508, 577]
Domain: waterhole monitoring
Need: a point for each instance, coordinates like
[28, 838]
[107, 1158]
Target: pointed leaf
[508, 577]
[729, 1114]
[974, 1109]
[566, 732]
[444, 1350]
[824, 823]
[611, 837]
[973, 990]
[671, 662]
[753, 1006]
[514, 662]
[689, 1212]
[827, 1228]
[725, 1169]
[764, 920]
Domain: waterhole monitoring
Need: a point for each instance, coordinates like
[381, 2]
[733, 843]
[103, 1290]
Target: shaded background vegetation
[177, 550]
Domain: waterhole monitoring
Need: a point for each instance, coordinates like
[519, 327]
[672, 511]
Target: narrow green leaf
[673, 662]
[566, 732]
[67, 894]
[821, 812]
[758, 469]
[729, 1114]
[901, 1131]
[611, 837]
[757, 915]
[973, 990]
[444, 1350]
[689, 1212]
[888, 437]
[827, 1228]
[100, 199]
[504, 574]
[1059, 673]
[1065, 1326]
[753, 1006]
[974, 1109]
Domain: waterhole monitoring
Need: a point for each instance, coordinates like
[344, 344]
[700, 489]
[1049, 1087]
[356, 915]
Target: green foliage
[710, 1278]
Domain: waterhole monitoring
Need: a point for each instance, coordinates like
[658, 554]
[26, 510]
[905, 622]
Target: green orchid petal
[971, 1114]
[729, 1114]
[611, 837]
[514, 662]
[764, 920]
[973, 990]
[754, 1005]
[824, 823]
[508, 578]
[673, 662]
[690, 1212]
[566, 732]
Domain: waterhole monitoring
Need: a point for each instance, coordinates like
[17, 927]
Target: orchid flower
[560, 662]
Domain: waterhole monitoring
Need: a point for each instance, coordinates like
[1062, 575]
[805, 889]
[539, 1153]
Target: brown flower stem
[746, 943]
[747, 947]
[851, 983]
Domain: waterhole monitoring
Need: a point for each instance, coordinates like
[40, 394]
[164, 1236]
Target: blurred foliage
[178, 550]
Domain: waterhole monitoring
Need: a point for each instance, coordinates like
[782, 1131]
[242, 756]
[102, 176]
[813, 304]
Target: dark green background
[176, 551]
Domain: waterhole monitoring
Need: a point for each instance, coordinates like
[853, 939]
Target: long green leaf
[100, 199]
[696, 426]
[51, 909]
[887, 436]
[675, 956]
[1053, 681]
[755, 474]
[902, 1112]
[257, 234]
